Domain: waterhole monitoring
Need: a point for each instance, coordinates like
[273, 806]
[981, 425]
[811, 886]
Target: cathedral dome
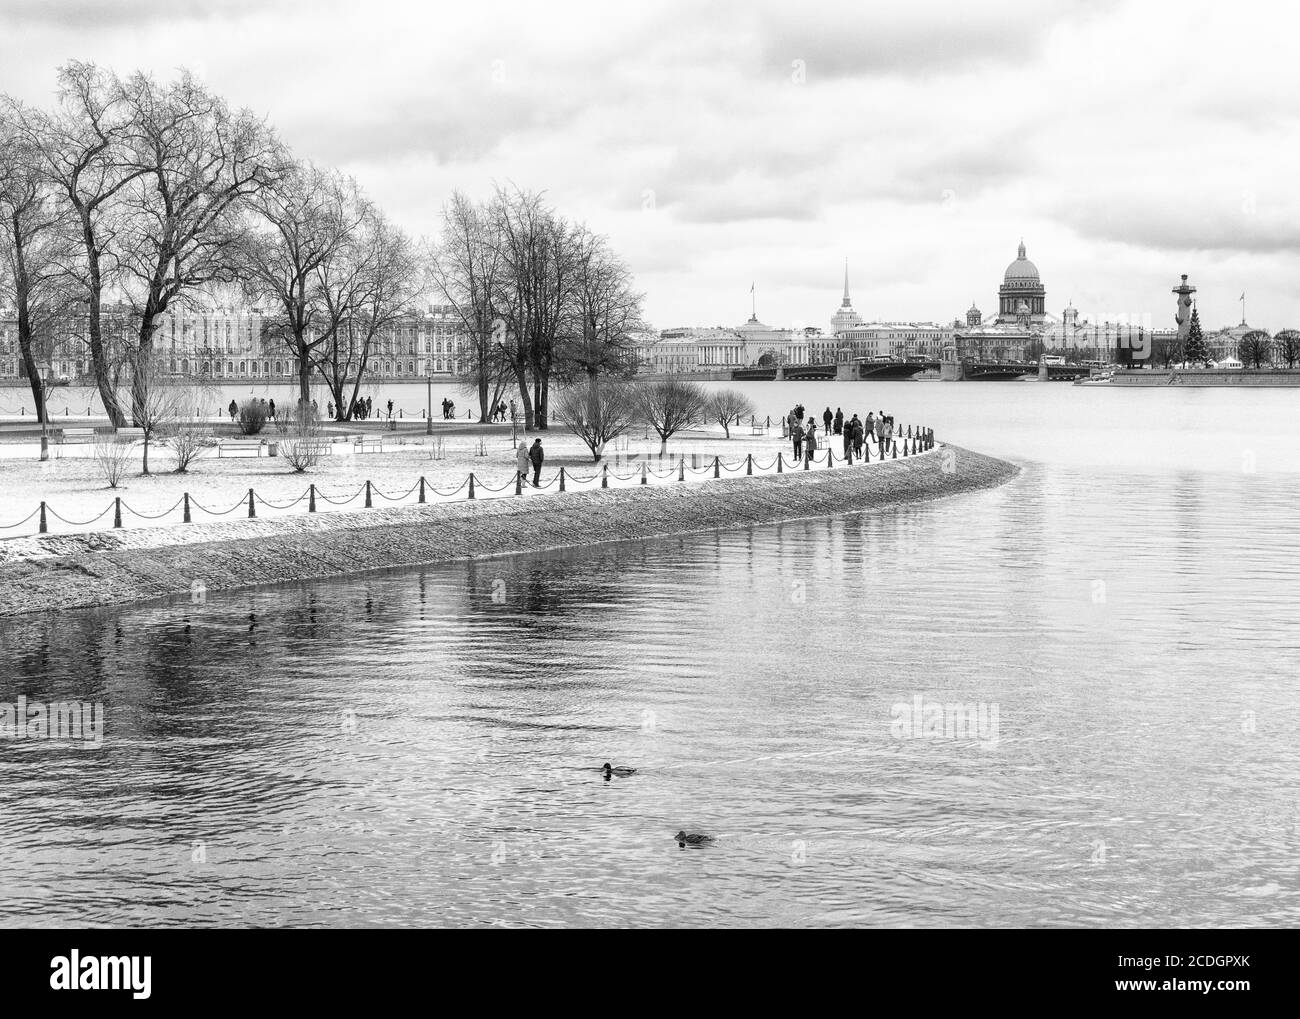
[1021, 270]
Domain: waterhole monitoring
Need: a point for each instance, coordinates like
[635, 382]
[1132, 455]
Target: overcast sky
[724, 143]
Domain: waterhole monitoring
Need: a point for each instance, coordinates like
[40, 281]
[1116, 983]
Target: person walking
[796, 436]
[329, 409]
[810, 440]
[390, 410]
[887, 437]
[858, 436]
[839, 421]
[272, 410]
[234, 409]
[521, 462]
[870, 426]
[537, 455]
[827, 418]
[847, 432]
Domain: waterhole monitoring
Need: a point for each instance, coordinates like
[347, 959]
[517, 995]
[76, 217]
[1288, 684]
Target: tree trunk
[98, 357]
[304, 376]
[29, 360]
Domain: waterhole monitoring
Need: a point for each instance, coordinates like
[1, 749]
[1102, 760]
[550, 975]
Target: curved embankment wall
[114, 567]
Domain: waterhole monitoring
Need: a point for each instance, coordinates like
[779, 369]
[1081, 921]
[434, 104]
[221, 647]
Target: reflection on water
[423, 747]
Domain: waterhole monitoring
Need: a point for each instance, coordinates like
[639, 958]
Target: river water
[421, 747]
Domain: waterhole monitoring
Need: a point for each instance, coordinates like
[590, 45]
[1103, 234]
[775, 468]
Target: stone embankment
[52, 572]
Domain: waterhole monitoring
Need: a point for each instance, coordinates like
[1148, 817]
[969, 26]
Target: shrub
[186, 443]
[252, 417]
[302, 443]
[111, 455]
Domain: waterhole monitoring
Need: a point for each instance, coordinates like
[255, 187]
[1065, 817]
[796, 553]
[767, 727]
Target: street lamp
[42, 373]
[428, 390]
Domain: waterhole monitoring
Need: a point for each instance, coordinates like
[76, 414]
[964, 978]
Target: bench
[74, 436]
[240, 447]
[370, 444]
[130, 434]
[756, 429]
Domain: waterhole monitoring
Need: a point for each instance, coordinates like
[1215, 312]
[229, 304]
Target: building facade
[238, 345]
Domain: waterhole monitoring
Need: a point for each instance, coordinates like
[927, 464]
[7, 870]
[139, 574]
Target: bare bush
[597, 412]
[186, 443]
[112, 456]
[302, 442]
[726, 405]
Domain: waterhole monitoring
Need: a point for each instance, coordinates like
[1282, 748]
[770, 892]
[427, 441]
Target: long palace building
[226, 344]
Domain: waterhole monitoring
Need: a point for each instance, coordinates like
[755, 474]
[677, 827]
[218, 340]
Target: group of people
[267, 405]
[532, 456]
[499, 412]
[448, 409]
[856, 432]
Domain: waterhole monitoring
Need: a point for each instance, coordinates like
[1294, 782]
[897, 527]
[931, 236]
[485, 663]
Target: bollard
[779, 458]
[909, 431]
[471, 484]
[186, 518]
[681, 468]
[311, 498]
[117, 512]
[519, 482]
[904, 449]
[643, 472]
[715, 469]
[252, 509]
[895, 445]
[44, 527]
[604, 475]
[749, 465]
[807, 461]
[561, 479]
[881, 446]
[421, 488]
[368, 505]
[830, 458]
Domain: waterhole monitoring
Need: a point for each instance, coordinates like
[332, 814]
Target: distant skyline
[765, 143]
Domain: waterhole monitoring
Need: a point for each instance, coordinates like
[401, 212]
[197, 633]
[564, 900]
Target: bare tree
[597, 417]
[466, 269]
[726, 405]
[670, 405]
[537, 252]
[371, 285]
[1287, 342]
[604, 315]
[36, 247]
[192, 166]
[1256, 348]
[309, 220]
[83, 154]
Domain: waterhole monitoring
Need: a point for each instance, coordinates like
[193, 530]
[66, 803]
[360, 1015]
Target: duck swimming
[692, 839]
[620, 772]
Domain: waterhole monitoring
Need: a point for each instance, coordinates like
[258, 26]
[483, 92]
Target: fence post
[715, 469]
[830, 457]
[519, 482]
[421, 488]
[881, 446]
[895, 446]
[311, 498]
[252, 509]
[604, 475]
[471, 484]
[779, 458]
[44, 528]
[186, 518]
[681, 468]
[117, 511]
[561, 479]
[749, 465]
[904, 449]
[643, 472]
[368, 506]
[807, 460]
